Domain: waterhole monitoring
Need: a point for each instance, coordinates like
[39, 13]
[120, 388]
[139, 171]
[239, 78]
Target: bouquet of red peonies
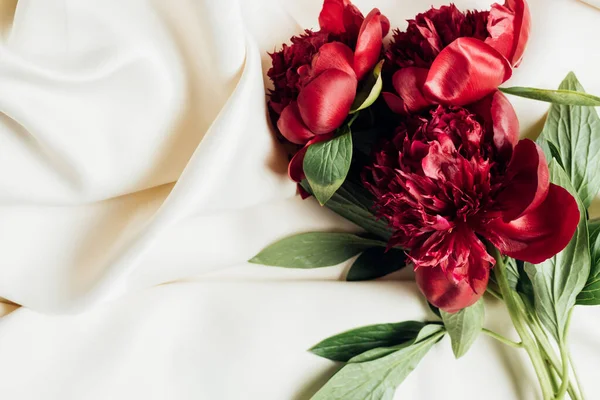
[416, 143]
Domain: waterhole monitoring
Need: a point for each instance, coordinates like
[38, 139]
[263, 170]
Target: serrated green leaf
[572, 136]
[326, 165]
[370, 90]
[354, 203]
[558, 280]
[375, 263]
[347, 345]
[376, 379]
[464, 326]
[590, 295]
[561, 96]
[314, 250]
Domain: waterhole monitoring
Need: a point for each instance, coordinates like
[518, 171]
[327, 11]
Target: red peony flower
[449, 57]
[460, 175]
[315, 78]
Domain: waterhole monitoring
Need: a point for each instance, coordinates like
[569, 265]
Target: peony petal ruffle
[447, 294]
[333, 55]
[340, 16]
[526, 182]
[541, 233]
[466, 71]
[501, 119]
[409, 83]
[331, 18]
[326, 101]
[292, 127]
[369, 43]
[456, 250]
[353, 19]
[509, 26]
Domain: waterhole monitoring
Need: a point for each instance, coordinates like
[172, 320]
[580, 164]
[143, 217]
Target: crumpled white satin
[135, 150]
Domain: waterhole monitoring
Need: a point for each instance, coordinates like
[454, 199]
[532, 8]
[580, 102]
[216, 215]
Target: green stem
[356, 114]
[544, 346]
[548, 353]
[564, 357]
[581, 395]
[502, 339]
[552, 373]
[516, 316]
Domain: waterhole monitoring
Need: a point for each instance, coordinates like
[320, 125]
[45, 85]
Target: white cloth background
[105, 105]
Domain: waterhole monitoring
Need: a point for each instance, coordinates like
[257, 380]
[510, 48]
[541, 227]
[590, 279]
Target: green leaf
[550, 150]
[314, 250]
[594, 233]
[378, 352]
[326, 165]
[512, 273]
[354, 203]
[370, 90]
[464, 327]
[572, 135]
[590, 295]
[429, 330]
[377, 379]
[524, 285]
[350, 344]
[561, 96]
[375, 263]
[373, 354]
[558, 280]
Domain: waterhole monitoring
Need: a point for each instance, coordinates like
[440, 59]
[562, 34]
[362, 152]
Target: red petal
[509, 27]
[463, 267]
[395, 103]
[295, 167]
[409, 83]
[526, 182]
[325, 102]
[292, 127]
[466, 71]
[445, 293]
[541, 233]
[385, 25]
[368, 45]
[353, 19]
[501, 117]
[333, 55]
[331, 18]
[303, 193]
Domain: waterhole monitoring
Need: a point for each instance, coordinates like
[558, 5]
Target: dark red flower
[449, 180]
[431, 32]
[315, 78]
[285, 65]
[456, 58]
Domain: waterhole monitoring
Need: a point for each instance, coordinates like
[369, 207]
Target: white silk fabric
[135, 151]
